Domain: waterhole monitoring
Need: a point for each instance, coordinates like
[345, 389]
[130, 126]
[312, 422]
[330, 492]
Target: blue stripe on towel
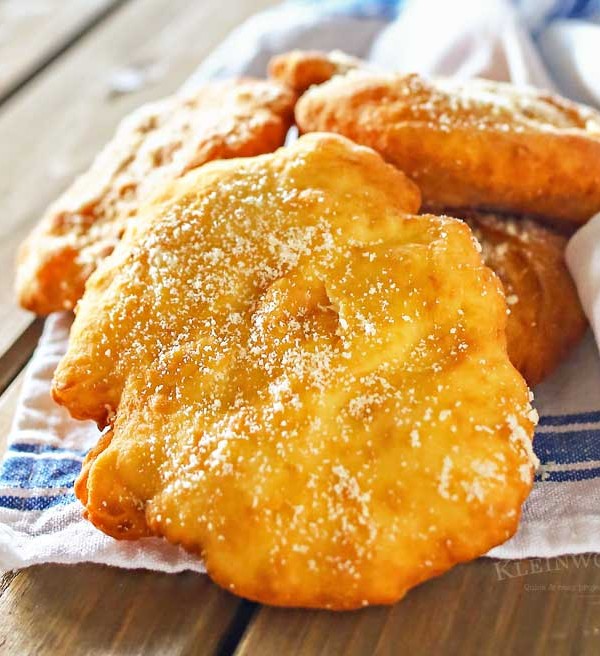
[29, 473]
[384, 9]
[545, 476]
[571, 9]
[390, 9]
[576, 418]
[35, 503]
[569, 447]
[23, 447]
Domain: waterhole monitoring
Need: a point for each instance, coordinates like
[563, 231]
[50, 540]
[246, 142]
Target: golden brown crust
[546, 319]
[157, 143]
[120, 515]
[477, 144]
[307, 384]
[300, 69]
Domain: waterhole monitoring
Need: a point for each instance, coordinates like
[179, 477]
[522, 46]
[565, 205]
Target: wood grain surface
[93, 609]
[535, 606]
[63, 64]
[33, 33]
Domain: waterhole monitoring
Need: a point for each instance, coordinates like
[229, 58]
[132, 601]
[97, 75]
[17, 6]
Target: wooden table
[58, 105]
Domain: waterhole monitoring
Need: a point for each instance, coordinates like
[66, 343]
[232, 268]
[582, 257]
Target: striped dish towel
[40, 519]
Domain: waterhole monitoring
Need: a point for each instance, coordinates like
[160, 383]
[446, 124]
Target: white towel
[40, 519]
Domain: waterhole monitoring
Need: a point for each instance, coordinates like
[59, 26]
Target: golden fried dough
[546, 318]
[300, 69]
[476, 144]
[157, 143]
[306, 384]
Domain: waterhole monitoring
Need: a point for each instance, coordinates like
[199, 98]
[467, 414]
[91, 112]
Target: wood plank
[31, 33]
[17, 356]
[484, 607]
[51, 130]
[92, 609]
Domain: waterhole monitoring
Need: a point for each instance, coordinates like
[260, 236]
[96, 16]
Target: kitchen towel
[40, 518]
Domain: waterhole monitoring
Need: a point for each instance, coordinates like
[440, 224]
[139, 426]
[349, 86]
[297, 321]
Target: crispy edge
[120, 515]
